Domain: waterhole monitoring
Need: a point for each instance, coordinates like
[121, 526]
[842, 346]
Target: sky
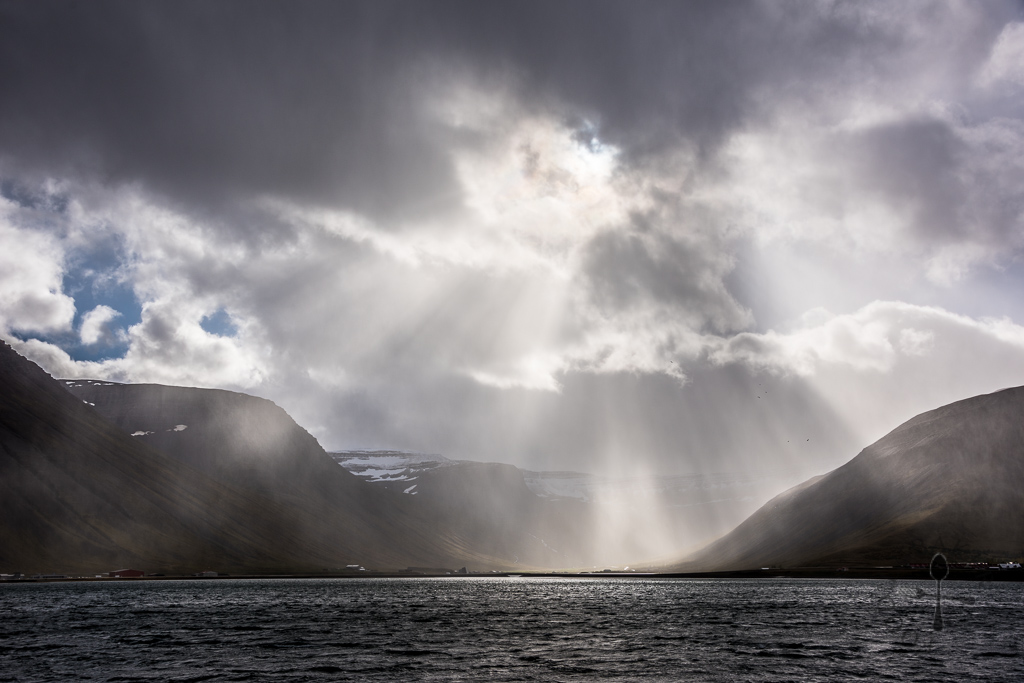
[616, 237]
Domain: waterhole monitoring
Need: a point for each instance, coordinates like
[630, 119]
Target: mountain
[451, 513]
[574, 519]
[76, 494]
[255, 447]
[241, 489]
[479, 515]
[489, 504]
[949, 480]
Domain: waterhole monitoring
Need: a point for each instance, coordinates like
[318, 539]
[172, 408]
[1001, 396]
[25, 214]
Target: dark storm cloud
[950, 186]
[258, 157]
[206, 99]
[632, 269]
[317, 100]
[914, 165]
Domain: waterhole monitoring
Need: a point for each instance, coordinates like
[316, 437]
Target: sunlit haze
[625, 238]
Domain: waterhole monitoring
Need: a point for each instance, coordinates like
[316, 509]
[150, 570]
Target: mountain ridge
[483, 514]
[950, 479]
[77, 493]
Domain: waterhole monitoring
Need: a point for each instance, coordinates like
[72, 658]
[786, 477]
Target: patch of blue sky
[219, 323]
[93, 277]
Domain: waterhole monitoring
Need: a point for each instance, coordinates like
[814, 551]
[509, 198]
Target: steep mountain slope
[951, 479]
[479, 514]
[78, 494]
[253, 445]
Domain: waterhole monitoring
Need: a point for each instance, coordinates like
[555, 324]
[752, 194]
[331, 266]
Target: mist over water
[509, 630]
[642, 518]
[626, 515]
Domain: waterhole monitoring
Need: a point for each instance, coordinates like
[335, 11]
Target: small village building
[126, 573]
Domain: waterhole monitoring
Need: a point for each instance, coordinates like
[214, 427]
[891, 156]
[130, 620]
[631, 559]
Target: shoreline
[893, 573]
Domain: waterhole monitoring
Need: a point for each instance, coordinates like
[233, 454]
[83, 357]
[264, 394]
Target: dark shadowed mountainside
[479, 515]
[78, 494]
[949, 480]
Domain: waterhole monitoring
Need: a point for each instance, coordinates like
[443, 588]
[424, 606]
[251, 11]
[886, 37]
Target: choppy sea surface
[507, 629]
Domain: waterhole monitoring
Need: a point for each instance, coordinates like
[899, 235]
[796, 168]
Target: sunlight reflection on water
[508, 630]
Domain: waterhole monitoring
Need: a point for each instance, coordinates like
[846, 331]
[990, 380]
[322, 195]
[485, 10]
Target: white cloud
[872, 339]
[31, 269]
[562, 255]
[536, 372]
[96, 325]
[916, 342]
[56, 360]
[541, 184]
[953, 195]
[533, 260]
[563, 260]
[533, 194]
[167, 257]
[887, 361]
[169, 346]
[1005, 64]
[951, 264]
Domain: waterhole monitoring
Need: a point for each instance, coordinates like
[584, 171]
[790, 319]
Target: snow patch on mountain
[71, 383]
[739, 490]
[388, 466]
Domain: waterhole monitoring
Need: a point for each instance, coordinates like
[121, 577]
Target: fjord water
[506, 629]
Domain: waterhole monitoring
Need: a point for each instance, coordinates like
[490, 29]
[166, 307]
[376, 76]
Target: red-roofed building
[126, 573]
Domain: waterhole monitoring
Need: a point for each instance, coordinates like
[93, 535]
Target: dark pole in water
[938, 570]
